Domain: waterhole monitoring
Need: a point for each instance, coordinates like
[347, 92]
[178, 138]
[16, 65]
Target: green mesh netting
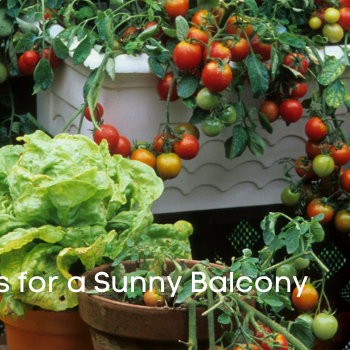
[345, 292]
[333, 258]
[243, 236]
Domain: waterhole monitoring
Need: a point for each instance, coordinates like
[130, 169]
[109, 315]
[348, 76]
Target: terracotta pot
[48, 330]
[115, 325]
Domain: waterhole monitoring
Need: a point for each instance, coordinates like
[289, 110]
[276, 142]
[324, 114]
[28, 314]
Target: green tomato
[301, 263]
[228, 116]
[317, 232]
[117, 45]
[307, 318]
[325, 326]
[287, 270]
[289, 198]
[211, 127]
[3, 73]
[323, 165]
[333, 32]
[206, 99]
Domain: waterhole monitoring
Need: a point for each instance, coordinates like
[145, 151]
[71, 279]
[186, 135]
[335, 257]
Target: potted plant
[67, 205]
[122, 317]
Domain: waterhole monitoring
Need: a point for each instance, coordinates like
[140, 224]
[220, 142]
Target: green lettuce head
[67, 199]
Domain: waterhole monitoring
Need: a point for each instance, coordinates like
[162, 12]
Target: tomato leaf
[11, 57]
[43, 74]
[335, 94]
[224, 319]
[301, 330]
[88, 82]
[105, 28]
[189, 102]
[236, 144]
[249, 269]
[26, 43]
[184, 293]
[157, 67]
[256, 143]
[27, 27]
[288, 38]
[61, 50]
[187, 85]
[265, 123]
[198, 115]
[171, 33]
[292, 239]
[182, 28]
[347, 99]
[148, 33]
[6, 24]
[258, 75]
[110, 68]
[268, 227]
[273, 301]
[332, 69]
[82, 51]
[207, 4]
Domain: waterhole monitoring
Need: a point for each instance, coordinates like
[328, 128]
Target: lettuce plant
[66, 202]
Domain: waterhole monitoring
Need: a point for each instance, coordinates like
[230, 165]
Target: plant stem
[82, 108]
[192, 336]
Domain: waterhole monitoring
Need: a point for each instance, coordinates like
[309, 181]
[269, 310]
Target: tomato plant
[342, 221]
[271, 110]
[144, 156]
[276, 338]
[199, 36]
[168, 165]
[24, 67]
[316, 129]
[345, 181]
[288, 271]
[163, 88]
[333, 32]
[325, 326]
[159, 30]
[187, 128]
[228, 115]
[30, 58]
[187, 56]
[323, 165]
[152, 298]
[289, 197]
[236, 24]
[296, 61]
[298, 91]
[314, 148]
[316, 207]
[215, 78]
[204, 19]
[239, 49]
[291, 110]
[50, 55]
[308, 297]
[344, 18]
[303, 167]
[264, 50]
[108, 133]
[123, 147]
[211, 127]
[217, 50]
[301, 263]
[340, 153]
[206, 99]
[98, 114]
[175, 8]
[187, 148]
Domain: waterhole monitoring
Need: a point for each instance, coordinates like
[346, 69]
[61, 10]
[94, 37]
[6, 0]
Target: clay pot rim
[135, 306]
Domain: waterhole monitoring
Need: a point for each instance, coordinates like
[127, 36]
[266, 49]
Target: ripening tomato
[205, 19]
[314, 148]
[261, 333]
[144, 156]
[187, 56]
[296, 61]
[310, 193]
[345, 181]
[159, 31]
[108, 133]
[239, 50]
[188, 128]
[123, 147]
[298, 91]
[198, 34]
[342, 221]
[24, 67]
[264, 50]
[276, 338]
[303, 167]
[236, 24]
[168, 165]
[291, 110]
[175, 8]
[271, 110]
[152, 298]
[316, 129]
[344, 18]
[163, 88]
[316, 206]
[215, 78]
[333, 32]
[340, 153]
[31, 58]
[217, 50]
[323, 165]
[98, 113]
[187, 148]
[307, 299]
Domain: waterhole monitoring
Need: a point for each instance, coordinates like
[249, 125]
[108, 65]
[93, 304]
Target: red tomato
[163, 88]
[316, 129]
[98, 113]
[264, 50]
[48, 14]
[25, 68]
[314, 148]
[109, 133]
[31, 58]
[123, 147]
[298, 91]
[304, 166]
[291, 110]
[316, 207]
[51, 57]
[158, 143]
[239, 49]
[344, 3]
[261, 334]
[345, 181]
[187, 56]
[175, 8]
[187, 148]
[340, 153]
[277, 337]
[271, 110]
[216, 79]
[236, 24]
[204, 18]
[296, 61]
[217, 50]
[198, 34]
[344, 19]
[160, 30]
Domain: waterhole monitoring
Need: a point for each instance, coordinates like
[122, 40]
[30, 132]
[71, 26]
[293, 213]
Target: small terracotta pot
[115, 325]
[48, 330]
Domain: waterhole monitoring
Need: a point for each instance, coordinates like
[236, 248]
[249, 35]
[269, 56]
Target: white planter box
[210, 181]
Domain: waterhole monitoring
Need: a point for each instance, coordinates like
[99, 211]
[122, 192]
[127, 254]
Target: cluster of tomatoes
[322, 177]
[330, 20]
[164, 154]
[29, 60]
